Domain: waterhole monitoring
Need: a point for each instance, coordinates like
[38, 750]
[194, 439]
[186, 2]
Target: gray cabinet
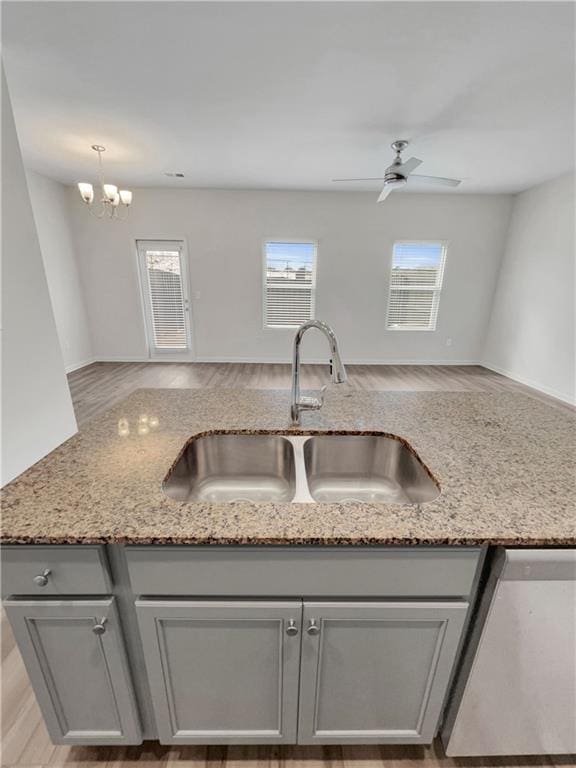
[223, 671]
[350, 672]
[75, 659]
[226, 645]
[377, 671]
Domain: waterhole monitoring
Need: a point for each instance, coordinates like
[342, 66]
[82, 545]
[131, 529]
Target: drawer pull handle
[42, 578]
[292, 629]
[99, 627]
[313, 628]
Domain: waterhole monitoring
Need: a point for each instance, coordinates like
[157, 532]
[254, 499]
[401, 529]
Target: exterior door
[223, 671]
[164, 280]
[74, 655]
[376, 672]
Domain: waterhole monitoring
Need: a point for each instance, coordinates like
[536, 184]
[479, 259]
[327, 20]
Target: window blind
[290, 283]
[165, 297]
[415, 285]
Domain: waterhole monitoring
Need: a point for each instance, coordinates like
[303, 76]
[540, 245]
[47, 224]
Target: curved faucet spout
[337, 369]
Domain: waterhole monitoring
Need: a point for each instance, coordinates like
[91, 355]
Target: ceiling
[288, 95]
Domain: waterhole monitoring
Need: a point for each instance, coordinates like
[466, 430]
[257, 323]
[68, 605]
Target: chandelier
[112, 201]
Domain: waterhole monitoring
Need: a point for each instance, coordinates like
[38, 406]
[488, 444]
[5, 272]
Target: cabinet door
[74, 655]
[223, 672]
[376, 672]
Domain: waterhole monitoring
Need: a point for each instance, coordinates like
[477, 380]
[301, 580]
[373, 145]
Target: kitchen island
[141, 616]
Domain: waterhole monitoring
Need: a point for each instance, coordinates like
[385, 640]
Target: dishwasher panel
[519, 695]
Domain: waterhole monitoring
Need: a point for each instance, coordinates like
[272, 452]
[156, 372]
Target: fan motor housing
[393, 179]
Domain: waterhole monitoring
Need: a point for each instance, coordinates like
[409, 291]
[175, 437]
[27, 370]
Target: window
[164, 290]
[415, 285]
[290, 283]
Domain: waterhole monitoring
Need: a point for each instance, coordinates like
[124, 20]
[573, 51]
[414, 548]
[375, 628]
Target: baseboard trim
[273, 360]
[545, 390]
[324, 360]
[82, 364]
[142, 359]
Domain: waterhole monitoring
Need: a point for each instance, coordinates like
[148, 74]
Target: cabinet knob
[292, 629]
[42, 578]
[99, 627]
[313, 628]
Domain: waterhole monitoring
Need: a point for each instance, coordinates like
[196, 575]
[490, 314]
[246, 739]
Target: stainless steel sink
[233, 467]
[366, 468]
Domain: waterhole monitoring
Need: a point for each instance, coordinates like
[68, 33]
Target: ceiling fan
[400, 173]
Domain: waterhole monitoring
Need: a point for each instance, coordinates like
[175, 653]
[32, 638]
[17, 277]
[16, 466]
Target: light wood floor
[98, 386]
[25, 742]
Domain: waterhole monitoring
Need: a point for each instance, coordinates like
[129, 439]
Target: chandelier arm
[100, 172]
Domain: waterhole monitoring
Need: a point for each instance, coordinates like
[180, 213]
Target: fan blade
[384, 194]
[437, 180]
[374, 178]
[409, 166]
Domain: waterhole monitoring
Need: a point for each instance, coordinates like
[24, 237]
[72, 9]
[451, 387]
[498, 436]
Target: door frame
[187, 355]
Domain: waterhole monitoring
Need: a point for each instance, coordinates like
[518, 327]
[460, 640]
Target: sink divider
[302, 493]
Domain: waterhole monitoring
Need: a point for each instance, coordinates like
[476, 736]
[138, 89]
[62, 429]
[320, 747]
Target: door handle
[313, 628]
[42, 578]
[99, 628]
[292, 629]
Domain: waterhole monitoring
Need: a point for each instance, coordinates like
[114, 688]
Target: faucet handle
[313, 403]
[310, 403]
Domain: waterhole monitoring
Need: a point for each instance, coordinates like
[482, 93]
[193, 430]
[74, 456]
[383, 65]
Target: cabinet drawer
[305, 571]
[73, 570]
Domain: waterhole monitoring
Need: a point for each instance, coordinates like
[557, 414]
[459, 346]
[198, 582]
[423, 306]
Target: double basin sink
[270, 467]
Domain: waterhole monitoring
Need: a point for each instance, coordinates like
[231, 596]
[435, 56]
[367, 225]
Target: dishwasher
[515, 693]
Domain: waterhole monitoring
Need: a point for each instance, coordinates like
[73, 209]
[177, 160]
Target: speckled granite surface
[506, 465]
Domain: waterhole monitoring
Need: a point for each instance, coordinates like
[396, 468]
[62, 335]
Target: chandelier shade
[86, 191]
[125, 196]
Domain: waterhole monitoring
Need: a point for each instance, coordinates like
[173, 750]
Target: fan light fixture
[112, 201]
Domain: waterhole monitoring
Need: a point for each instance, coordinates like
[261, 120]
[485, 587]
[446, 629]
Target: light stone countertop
[506, 465]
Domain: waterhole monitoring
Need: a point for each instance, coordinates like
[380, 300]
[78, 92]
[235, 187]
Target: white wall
[531, 335]
[37, 412]
[225, 230]
[50, 203]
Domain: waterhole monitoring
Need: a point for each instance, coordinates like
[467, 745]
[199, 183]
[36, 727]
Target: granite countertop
[506, 465]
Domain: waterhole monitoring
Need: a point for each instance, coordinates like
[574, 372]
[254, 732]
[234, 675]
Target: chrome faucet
[337, 370]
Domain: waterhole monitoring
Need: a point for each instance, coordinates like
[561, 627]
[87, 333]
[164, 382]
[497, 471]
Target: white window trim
[304, 241]
[153, 353]
[437, 291]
